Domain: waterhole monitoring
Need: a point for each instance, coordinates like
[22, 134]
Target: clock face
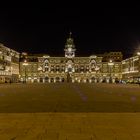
[69, 49]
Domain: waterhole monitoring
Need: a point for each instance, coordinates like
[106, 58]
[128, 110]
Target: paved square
[29, 98]
[69, 112]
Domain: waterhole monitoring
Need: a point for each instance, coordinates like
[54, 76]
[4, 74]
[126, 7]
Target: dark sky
[95, 30]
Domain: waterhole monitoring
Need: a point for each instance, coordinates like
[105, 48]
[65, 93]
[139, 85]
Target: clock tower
[70, 47]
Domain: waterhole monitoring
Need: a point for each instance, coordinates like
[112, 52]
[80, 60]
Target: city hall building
[92, 69]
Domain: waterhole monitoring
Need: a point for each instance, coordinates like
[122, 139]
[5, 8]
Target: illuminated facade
[131, 69]
[9, 65]
[69, 68]
[42, 68]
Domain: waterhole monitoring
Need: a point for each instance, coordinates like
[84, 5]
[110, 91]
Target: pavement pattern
[70, 126]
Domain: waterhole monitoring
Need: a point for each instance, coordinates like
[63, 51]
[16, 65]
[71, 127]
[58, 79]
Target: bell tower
[70, 47]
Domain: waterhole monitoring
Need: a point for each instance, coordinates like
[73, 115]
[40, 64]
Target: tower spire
[70, 34]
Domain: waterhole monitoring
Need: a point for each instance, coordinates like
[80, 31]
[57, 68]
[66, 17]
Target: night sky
[95, 30]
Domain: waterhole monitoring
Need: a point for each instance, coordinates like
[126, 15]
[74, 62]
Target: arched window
[46, 65]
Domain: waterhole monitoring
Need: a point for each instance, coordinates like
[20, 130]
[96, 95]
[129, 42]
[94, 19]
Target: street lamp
[25, 64]
[138, 53]
[110, 64]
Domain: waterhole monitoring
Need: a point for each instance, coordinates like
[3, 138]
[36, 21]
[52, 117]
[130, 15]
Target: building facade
[47, 69]
[131, 69]
[9, 65]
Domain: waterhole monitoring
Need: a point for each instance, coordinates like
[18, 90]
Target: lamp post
[110, 64]
[25, 64]
[138, 53]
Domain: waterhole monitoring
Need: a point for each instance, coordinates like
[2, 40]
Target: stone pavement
[70, 126]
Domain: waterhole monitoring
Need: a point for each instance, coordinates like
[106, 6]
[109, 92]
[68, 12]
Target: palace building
[47, 69]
